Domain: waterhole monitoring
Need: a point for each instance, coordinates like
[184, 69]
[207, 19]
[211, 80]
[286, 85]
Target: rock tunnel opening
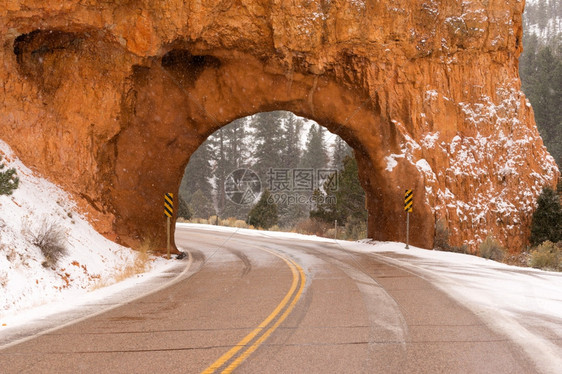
[170, 104]
[275, 170]
[174, 103]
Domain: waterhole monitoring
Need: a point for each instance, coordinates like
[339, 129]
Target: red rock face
[110, 99]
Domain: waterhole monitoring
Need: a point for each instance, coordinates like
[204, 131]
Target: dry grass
[242, 224]
[311, 226]
[140, 265]
[200, 220]
[228, 222]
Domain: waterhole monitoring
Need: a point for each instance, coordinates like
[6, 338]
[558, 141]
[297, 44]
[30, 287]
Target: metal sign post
[168, 236]
[407, 230]
[168, 212]
[408, 208]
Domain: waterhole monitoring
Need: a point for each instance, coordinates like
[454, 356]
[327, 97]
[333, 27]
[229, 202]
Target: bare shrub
[213, 220]
[331, 232]
[240, 224]
[441, 240]
[355, 229]
[311, 226]
[547, 256]
[460, 249]
[50, 237]
[491, 249]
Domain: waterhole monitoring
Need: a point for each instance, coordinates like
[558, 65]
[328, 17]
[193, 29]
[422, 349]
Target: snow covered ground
[522, 303]
[91, 260]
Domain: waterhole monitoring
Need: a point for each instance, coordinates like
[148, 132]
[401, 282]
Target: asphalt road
[267, 305]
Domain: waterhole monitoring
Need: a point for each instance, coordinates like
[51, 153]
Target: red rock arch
[171, 108]
[108, 100]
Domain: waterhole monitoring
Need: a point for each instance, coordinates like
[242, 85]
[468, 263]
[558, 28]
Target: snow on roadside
[489, 283]
[91, 260]
[522, 303]
[253, 232]
[484, 282]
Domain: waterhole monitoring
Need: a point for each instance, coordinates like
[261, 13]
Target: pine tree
[277, 146]
[545, 93]
[268, 140]
[349, 197]
[315, 155]
[546, 223]
[290, 212]
[264, 213]
[542, 15]
[541, 74]
[324, 209]
[527, 63]
[198, 173]
[201, 205]
[546, 98]
[9, 180]
[341, 150]
[236, 148]
[230, 153]
[291, 140]
[183, 209]
[232, 210]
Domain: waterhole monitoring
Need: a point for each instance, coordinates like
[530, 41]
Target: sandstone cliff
[109, 99]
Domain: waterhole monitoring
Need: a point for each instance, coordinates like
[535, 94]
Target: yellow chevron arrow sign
[169, 204]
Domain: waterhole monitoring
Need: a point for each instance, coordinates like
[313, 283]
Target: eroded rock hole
[187, 67]
[38, 52]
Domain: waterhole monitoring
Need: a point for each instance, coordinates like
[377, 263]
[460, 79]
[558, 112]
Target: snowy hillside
[91, 261]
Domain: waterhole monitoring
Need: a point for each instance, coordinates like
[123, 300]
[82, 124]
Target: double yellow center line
[237, 354]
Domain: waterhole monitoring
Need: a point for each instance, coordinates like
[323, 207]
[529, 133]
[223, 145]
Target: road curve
[269, 305]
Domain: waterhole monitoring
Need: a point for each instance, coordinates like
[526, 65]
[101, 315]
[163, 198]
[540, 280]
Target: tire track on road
[245, 347]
